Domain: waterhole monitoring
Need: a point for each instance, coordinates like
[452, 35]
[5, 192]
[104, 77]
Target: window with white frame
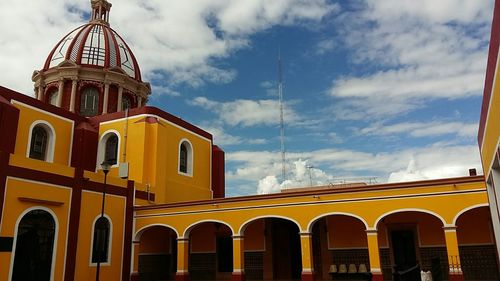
[89, 102]
[185, 158]
[109, 148]
[53, 95]
[41, 142]
[100, 242]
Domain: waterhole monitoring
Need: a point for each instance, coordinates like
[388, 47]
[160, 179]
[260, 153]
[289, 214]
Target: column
[455, 269]
[182, 260]
[139, 101]
[40, 91]
[134, 276]
[238, 259]
[73, 95]
[307, 256]
[60, 93]
[374, 255]
[106, 98]
[120, 97]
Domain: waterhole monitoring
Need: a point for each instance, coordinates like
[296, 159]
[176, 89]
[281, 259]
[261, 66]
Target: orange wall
[156, 240]
[345, 232]
[474, 227]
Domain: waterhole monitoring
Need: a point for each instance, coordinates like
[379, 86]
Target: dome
[95, 44]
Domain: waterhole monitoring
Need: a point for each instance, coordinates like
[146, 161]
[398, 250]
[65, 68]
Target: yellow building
[155, 209]
[489, 126]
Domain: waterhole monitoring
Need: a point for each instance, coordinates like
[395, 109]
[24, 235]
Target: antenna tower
[282, 123]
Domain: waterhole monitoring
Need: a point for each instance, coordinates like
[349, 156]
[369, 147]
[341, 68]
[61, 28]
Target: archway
[211, 251]
[476, 245]
[272, 249]
[157, 254]
[34, 247]
[410, 241]
[340, 240]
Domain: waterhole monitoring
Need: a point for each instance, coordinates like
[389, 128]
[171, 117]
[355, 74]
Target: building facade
[160, 212]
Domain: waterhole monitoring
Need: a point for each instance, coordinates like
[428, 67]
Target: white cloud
[422, 129]
[248, 113]
[263, 168]
[222, 138]
[424, 50]
[176, 40]
[325, 46]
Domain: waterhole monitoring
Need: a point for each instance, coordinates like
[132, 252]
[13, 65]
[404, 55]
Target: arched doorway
[34, 247]
[272, 249]
[476, 245]
[211, 251]
[339, 240]
[157, 254]
[411, 241]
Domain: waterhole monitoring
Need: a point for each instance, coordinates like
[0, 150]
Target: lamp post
[105, 169]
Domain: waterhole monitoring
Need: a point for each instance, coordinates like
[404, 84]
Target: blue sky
[385, 89]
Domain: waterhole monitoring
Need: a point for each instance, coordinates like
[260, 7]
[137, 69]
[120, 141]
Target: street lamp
[106, 166]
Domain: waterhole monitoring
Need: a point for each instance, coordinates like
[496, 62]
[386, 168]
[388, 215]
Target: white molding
[490, 101]
[138, 234]
[315, 219]
[108, 262]
[188, 229]
[101, 148]
[42, 111]
[51, 140]
[249, 221]
[409, 210]
[55, 241]
[455, 219]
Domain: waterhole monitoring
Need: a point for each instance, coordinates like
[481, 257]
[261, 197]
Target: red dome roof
[95, 44]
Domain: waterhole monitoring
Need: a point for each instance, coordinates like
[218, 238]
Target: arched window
[126, 103]
[34, 247]
[185, 158]
[100, 246]
[111, 150]
[53, 95]
[39, 143]
[89, 102]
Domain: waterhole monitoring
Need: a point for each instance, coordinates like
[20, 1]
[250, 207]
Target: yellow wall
[17, 202]
[152, 149]
[492, 126]
[63, 129]
[91, 210]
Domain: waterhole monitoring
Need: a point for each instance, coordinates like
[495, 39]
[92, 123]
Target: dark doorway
[403, 249]
[224, 254]
[287, 259]
[34, 247]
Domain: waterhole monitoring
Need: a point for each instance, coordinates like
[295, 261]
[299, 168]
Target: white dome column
[106, 99]
[73, 95]
[60, 92]
[119, 106]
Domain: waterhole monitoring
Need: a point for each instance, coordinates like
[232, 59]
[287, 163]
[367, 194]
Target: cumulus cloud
[424, 51]
[246, 113]
[178, 41]
[263, 168]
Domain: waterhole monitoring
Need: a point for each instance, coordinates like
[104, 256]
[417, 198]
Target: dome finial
[100, 11]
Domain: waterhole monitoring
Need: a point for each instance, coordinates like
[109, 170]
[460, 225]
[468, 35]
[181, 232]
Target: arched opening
[339, 246]
[476, 245]
[34, 247]
[39, 143]
[185, 158]
[101, 240]
[89, 102]
[272, 249]
[211, 251]
[157, 254]
[52, 96]
[111, 149]
[411, 241]
[126, 103]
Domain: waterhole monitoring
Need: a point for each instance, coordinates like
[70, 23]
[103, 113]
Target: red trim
[238, 276]
[490, 71]
[456, 277]
[218, 173]
[9, 118]
[4, 163]
[107, 55]
[47, 61]
[152, 111]
[74, 225]
[136, 65]
[388, 186]
[82, 44]
[127, 239]
[307, 276]
[181, 276]
[117, 49]
[139, 194]
[377, 276]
